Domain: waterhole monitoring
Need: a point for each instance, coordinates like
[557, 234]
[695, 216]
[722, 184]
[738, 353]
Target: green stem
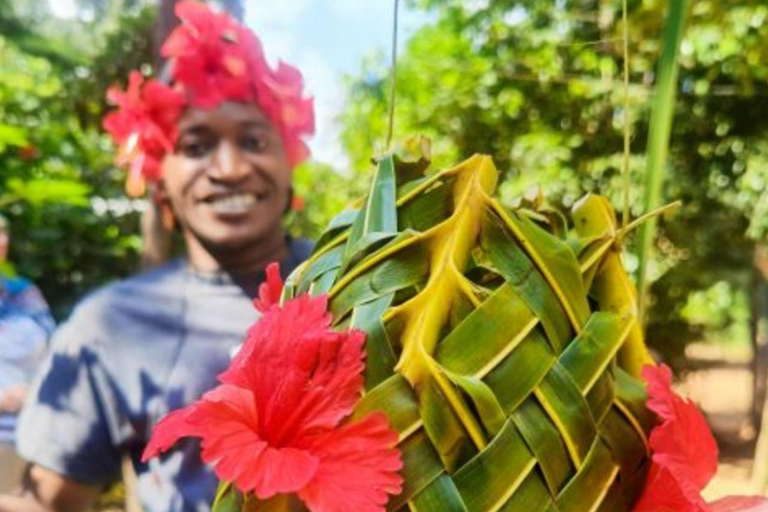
[391, 122]
[625, 162]
[662, 112]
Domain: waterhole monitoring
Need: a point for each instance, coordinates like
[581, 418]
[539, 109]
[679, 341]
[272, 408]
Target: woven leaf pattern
[506, 356]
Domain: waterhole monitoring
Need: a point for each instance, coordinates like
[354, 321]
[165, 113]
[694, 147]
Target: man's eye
[195, 149]
[253, 143]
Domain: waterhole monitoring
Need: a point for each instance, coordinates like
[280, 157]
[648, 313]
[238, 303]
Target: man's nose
[229, 163]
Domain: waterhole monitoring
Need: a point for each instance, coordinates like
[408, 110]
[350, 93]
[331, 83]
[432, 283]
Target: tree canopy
[537, 85]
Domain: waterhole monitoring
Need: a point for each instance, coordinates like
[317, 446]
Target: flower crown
[213, 59]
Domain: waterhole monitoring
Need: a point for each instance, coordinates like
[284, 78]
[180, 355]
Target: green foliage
[537, 85]
[73, 228]
[65, 200]
[320, 193]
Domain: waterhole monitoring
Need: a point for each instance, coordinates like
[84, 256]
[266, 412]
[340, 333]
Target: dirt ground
[721, 383]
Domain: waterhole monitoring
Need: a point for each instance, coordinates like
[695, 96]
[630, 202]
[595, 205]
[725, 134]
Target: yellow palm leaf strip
[465, 287]
[596, 256]
[450, 244]
[614, 291]
[593, 216]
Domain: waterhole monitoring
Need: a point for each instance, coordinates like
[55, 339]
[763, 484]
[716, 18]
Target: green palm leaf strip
[506, 356]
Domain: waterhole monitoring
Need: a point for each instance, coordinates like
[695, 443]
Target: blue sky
[326, 39]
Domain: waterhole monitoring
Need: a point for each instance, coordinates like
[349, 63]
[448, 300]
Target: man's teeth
[235, 203]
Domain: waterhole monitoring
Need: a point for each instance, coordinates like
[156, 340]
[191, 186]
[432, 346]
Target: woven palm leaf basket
[502, 343]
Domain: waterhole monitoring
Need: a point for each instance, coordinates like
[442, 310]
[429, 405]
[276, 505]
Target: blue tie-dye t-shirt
[129, 354]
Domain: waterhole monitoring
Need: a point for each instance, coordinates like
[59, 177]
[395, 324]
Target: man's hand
[48, 491]
[12, 398]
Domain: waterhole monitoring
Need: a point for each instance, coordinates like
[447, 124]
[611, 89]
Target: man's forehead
[226, 114]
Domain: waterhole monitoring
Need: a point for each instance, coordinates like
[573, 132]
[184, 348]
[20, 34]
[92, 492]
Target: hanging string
[390, 126]
[625, 163]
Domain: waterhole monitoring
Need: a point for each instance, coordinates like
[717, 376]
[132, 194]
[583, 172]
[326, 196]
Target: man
[25, 325]
[136, 350]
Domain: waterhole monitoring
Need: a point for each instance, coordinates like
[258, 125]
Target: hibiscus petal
[304, 375]
[167, 431]
[663, 493]
[358, 469]
[176, 44]
[270, 290]
[684, 453]
[193, 12]
[279, 471]
[683, 442]
[740, 504]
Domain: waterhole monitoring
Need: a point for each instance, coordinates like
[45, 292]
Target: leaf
[592, 483]
[377, 220]
[440, 496]
[555, 261]
[510, 261]
[422, 467]
[387, 276]
[609, 284]
[228, 499]
[487, 334]
[567, 408]
[337, 226]
[493, 476]
[12, 136]
[380, 358]
[545, 442]
[412, 157]
[40, 191]
[587, 358]
[532, 496]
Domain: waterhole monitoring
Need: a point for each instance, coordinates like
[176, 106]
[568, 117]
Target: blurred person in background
[216, 142]
[25, 325]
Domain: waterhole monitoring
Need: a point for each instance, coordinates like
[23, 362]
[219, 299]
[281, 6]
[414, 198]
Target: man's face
[228, 180]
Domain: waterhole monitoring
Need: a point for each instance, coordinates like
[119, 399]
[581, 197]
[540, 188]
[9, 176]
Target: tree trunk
[166, 22]
[155, 240]
[759, 312]
[235, 8]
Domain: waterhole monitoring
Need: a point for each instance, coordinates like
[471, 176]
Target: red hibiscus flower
[270, 290]
[276, 423]
[295, 114]
[684, 455]
[210, 63]
[144, 126]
